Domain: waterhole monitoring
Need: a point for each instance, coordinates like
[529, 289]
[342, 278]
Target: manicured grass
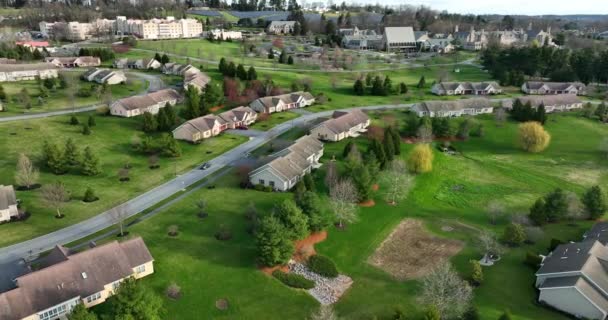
[58, 98]
[456, 191]
[110, 140]
[274, 120]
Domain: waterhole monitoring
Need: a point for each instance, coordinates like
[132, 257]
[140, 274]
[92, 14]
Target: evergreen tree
[388, 145]
[74, 121]
[86, 130]
[309, 182]
[91, 121]
[271, 54]
[89, 195]
[157, 57]
[54, 158]
[538, 215]
[162, 120]
[133, 301]
[70, 152]
[476, 272]
[402, 88]
[347, 148]
[378, 86]
[396, 140]
[368, 80]
[149, 122]
[595, 202]
[388, 86]
[290, 60]
[222, 66]
[358, 87]
[170, 146]
[241, 73]
[164, 59]
[541, 114]
[318, 218]
[379, 152]
[556, 205]
[421, 83]
[514, 234]
[193, 103]
[601, 110]
[295, 222]
[213, 95]
[171, 115]
[2, 94]
[63, 82]
[363, 182]
[252, 74]
[273, 243]
[283, 57]
[90, 163]
[231, 70]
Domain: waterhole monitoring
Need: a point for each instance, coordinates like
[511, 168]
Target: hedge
[322, 265]
[293, 280]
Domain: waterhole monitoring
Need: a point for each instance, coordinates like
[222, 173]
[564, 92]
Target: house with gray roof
[552, 103]
[27, 71]
[362, 41]
[88, 277]
[8, 203]
[399, 39]
[271, 104]
[573, 278]
[289, 165]
[466, 88]
[139, 64]
[211, 125]
[456, 108]
[342, 125]
[542, 88]
[106, 76]
[281, 27]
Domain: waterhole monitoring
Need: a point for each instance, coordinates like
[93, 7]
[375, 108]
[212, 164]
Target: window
[93, 297]
[53, 313]
[271, 183]
[262, 181]
[140, 269]
[115, 285]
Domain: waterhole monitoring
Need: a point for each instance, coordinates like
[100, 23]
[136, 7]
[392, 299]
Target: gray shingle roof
[399, 34]
[570, 257]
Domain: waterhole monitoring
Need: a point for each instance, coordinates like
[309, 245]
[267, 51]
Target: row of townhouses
[168, 28]
[193, 77]
[68, 279]
[104, 76]
[342, 125]
[212, 125]
[272, 104]
[138, 64]
[491, 88]
[138, 105]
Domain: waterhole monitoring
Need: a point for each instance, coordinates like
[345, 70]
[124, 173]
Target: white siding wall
[570, 300]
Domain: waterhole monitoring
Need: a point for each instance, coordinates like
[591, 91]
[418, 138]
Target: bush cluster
[322, 265]
[261, 187]
[293, 280]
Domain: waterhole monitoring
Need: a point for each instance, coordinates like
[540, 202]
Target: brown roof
[197, 78]
[550, 100]
[144, 101]
[236, 114]
[81, 275]
[200, 124]
[26, 67]
[7, 197]
[344, 121]
[292, 161]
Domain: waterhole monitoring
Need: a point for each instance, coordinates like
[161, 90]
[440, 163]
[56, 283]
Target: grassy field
[110, 140]
[454, 194]
[274, 120]
[58, 98]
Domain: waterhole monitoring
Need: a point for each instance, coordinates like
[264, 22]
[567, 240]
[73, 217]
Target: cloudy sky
[529, 7]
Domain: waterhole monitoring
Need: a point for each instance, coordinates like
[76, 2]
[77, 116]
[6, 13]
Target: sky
[527, 7]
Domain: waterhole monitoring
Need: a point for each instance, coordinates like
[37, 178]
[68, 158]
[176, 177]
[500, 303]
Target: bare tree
[494, 210]
[500, 116]
[424, 134]
[55, 196]
[446, 291]
[343, 199]
[26, 175]
[575, 206]
[398, 180]
[488, 244]
[324, 313]
[118, 215]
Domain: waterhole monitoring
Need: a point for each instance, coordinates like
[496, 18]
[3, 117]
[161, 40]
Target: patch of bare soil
[411, 252]
[367, 203]
[303, 250]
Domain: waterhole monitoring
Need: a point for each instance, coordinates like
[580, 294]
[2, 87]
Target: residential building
[360, 41]
[289, 165]
[151, 102]
[225, 34]
[281, 27]
[282, 102]
[211, 125]
[441, 45]
[599, 232]
[552, 103]
[27, 71]
[87, 277]
[74, 62]
[168, 28]
[399, 39]
[462, 88]
[477, 40]
[179, 69]
[33, 45]
[7, 61]
[573, 278]
[455, 108]
[106, 76]
[198, 80]
[139, 64]
[8, 203]
[342, 125]
[541, 87]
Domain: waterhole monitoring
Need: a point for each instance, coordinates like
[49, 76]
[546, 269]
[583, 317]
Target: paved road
[152, 197]
[154, 84]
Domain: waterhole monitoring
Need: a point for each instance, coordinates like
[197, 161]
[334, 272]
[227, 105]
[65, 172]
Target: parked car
[205, 165]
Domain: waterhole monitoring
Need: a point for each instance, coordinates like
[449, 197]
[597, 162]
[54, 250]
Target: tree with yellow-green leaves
[533, 137]
[420, 159]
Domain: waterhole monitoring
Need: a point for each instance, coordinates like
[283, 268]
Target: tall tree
[55, 196]
[149, 122]
[343, 198]
[446, 291]
[595, 202]
[135, 301]
[556, 205]
[80, 312]
[274, 245]
[70, 152]
[90, 163]
[26, 174]
[295, 222]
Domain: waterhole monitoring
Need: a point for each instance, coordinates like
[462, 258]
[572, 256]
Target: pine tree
[538, 215]
[193, 103]
[290, 60]
[89, 195]
[86, 130]
[252, 74]
[388, 145]
[388, 86]
[556, 205]
[396, 140]
[378, 86]
[171, 115]
[162, 120]
[541, 114]
[347, 148]
[363, 182]
[74, 121]
[53, 157]
[421, 83]
[70, 152]
[91, 121]
[402, 88]
[358, 87]
[230, 70]
[595, 202]
[274, 246]
[157, 57]
[271, 54]
[90, 163]
[379, 152]
[318, 218]
[295, 222]
[241, 73]
[171, 148]
[283, 57]
[149, 122]
[309, 182]
[164, 59]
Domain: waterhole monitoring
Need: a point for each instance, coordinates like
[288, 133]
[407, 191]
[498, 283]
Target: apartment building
[168, 28]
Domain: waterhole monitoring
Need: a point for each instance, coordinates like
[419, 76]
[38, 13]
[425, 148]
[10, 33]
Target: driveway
[252, 133]
[154, 84]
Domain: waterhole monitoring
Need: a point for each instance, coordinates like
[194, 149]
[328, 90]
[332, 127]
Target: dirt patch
[303, 250]
[270, 270]
[216, 108]
[221, 304]
[368, 203]
[410, 252]
[375, 187]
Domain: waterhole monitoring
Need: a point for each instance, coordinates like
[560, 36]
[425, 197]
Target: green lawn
[274, 120]
[491, 168]
[110, 140]
[59, 98]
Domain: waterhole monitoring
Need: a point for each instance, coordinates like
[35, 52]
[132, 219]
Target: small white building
[8, 203]
[27, 71]
[225, 34]
[104, 76]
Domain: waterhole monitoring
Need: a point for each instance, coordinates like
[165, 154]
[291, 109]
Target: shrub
[174, 291]
[293, 280]
[533, 137]
[173, 230]
[89, 195]
[223, 234]
[322, 265]
[533, 260]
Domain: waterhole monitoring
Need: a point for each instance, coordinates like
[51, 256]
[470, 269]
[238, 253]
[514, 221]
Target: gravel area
[326, 290]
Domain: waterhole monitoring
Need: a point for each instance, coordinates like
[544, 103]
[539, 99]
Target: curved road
[154, 83]
[152, 197]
